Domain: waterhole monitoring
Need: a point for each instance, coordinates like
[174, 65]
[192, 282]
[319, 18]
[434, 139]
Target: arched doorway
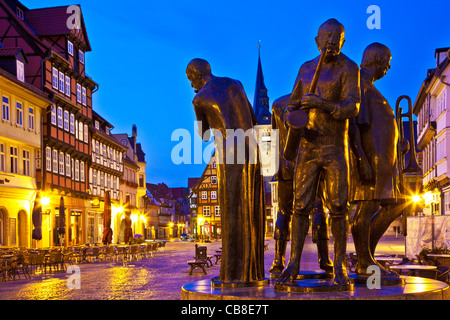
[23, 228]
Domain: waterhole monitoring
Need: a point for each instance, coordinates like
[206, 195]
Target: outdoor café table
[413, 267]
[389, 260]
[438, 255]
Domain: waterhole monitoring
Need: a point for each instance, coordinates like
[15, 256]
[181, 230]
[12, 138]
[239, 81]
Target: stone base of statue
[216, 283]
[413, 288]
[384, 281]
[313, 285]
[307, 274]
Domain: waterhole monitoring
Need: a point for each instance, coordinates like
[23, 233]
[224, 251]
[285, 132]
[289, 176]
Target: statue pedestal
[307, 274]
[414, 288]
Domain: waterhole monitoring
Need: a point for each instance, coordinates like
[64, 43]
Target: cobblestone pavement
[159, 277]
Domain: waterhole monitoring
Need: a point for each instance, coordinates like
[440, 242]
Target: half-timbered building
[55, 64]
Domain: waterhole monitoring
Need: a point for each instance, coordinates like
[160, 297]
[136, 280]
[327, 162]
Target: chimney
[440, 54]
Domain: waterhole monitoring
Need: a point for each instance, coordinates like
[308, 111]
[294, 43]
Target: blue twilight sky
[140, 50]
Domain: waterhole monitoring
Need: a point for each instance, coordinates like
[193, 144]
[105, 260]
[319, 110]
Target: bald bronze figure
[323, 148]
[374, 136]
[221, 104]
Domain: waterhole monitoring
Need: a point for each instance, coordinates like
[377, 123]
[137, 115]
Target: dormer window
[97, 125]
[108, 130]
[20, 71]
[70, 47]
[19, 13]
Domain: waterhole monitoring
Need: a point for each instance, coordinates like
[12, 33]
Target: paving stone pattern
[159, 277]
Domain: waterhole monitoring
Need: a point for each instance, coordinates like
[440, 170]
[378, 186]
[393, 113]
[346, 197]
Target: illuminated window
[206, 211]
[55, 78]
[70, 47]
[68, 169]
[61, 163]
[82, 171]
[67, 86]
[19, 114]
[55, 161]
[60, 117]
[48, 159]
[66, 120]
[5, 104]
[217, 211]
[213, 195]
[20, 71]
[83, 96]
[61, 81]
[2, 157]
[31, 120]
[78, 93]
[204, 195]
[77, 170]
[14, 160]
[53, 115]
[26, 163]
[72, 123]
[81, 56]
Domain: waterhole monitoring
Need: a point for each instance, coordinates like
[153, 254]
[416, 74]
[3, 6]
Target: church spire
[261, 100]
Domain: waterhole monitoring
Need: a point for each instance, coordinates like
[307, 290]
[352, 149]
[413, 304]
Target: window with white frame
[61, 163]
[97, 125]
[206, 211]
[214, 179]
[70, 47]
[61, 82]
[48, 159]
[66, 120]
[60, 117]
[2, 157]
[217, 211]
[86, 133]
[82, 171]
[67, 86]
[72, 123]
[68, 169]
[31, 119]
[20, 71]
[77, 170]
[204, 195]
[55, 161]
[26, 163]
[76, 129]
[83, 96]
[78, 93]
[81, 56]
[53, 115]
[19, 114]
[80, 131]
[94, 177]
[213, 195]
[14, 160]
[55, 78]
[5, 108]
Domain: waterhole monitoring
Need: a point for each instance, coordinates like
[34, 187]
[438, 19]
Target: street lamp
[45, 201]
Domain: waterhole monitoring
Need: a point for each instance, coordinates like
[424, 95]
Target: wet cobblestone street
[159, 277]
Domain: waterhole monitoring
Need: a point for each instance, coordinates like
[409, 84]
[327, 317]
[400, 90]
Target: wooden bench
[197, 264]
[201, 259]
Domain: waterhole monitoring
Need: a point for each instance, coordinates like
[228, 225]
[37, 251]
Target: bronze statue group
[343, 151]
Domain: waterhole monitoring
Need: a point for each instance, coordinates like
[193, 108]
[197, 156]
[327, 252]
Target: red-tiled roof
[9, 51]
[52, 21]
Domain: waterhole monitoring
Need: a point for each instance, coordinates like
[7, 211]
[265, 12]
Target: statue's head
[378, 57]
[331, 35]
[197, 72]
